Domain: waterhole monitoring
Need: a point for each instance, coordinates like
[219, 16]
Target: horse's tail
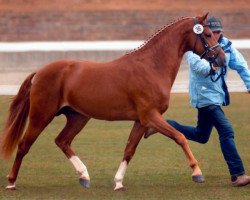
[18, 114]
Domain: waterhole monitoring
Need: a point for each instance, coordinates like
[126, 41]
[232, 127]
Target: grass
[157, 171]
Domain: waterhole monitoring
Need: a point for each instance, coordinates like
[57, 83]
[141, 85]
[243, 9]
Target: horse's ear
[203, 18]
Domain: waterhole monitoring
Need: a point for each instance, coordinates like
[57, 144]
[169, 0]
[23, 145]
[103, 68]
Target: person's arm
[238, 63]
[200, 66]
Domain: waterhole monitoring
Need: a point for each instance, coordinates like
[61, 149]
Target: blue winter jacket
[203, 91]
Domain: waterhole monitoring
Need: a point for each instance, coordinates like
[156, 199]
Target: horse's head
[205, 44]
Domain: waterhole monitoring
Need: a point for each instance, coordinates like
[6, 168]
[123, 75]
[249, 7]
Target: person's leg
[200, 133]
[226, 137]
[228, 147]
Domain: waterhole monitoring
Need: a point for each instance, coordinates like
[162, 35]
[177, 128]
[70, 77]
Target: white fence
[88, 45]
[15, 47]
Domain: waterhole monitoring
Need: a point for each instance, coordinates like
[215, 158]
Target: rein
[207, 50]
[212, 73]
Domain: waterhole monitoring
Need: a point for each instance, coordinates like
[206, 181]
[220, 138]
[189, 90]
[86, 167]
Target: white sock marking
[10, 187]
[120, 175]
[80, 167]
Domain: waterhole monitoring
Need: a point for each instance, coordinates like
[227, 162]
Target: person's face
[217, 34]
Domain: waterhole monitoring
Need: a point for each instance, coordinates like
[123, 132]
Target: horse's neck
[165, 51]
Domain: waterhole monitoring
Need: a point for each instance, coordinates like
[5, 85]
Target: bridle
[207, 50]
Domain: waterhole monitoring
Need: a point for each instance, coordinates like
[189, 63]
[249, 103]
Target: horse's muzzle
[220, 60]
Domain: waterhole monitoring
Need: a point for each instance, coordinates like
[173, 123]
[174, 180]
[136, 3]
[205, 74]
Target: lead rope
[212, 73]
[224, 85]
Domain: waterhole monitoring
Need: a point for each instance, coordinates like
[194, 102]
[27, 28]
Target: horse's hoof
[11, 187]
[84, 182]
[121, 189]
[198, 179]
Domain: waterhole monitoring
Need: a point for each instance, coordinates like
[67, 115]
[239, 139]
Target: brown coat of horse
[134, 87]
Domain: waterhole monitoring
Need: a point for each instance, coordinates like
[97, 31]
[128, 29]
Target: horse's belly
[110, 114]
[103, 106]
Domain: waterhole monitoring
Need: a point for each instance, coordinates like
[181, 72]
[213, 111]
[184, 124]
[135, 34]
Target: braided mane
[156, 34]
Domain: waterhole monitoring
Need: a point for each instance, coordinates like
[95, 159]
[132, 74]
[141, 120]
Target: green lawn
[158, 170]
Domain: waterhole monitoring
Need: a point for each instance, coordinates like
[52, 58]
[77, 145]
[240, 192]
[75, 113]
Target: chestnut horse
[134, 87]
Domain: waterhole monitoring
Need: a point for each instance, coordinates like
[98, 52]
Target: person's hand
[215, 68]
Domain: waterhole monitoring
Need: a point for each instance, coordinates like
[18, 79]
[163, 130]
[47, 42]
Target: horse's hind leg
[75, 123]
[133, 140]
[157, 122]
[35, 127]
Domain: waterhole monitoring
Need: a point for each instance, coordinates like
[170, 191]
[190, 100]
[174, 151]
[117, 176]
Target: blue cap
[214, 24]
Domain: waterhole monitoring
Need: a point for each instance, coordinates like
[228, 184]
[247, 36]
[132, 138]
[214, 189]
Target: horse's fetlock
[11, 179]
[193, 164]
[128, 157]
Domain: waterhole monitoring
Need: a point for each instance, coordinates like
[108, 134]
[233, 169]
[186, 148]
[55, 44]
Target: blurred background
[102, 20]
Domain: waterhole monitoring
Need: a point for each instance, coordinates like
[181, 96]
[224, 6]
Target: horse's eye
[208, 35]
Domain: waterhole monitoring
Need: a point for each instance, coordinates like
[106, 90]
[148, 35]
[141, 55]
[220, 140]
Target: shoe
[149, 132]
[241, 181]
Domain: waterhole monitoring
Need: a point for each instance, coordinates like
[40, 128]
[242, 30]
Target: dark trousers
[209, 117]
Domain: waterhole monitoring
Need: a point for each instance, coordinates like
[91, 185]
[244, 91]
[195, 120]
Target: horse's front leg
[133, 140]
[157, 122]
